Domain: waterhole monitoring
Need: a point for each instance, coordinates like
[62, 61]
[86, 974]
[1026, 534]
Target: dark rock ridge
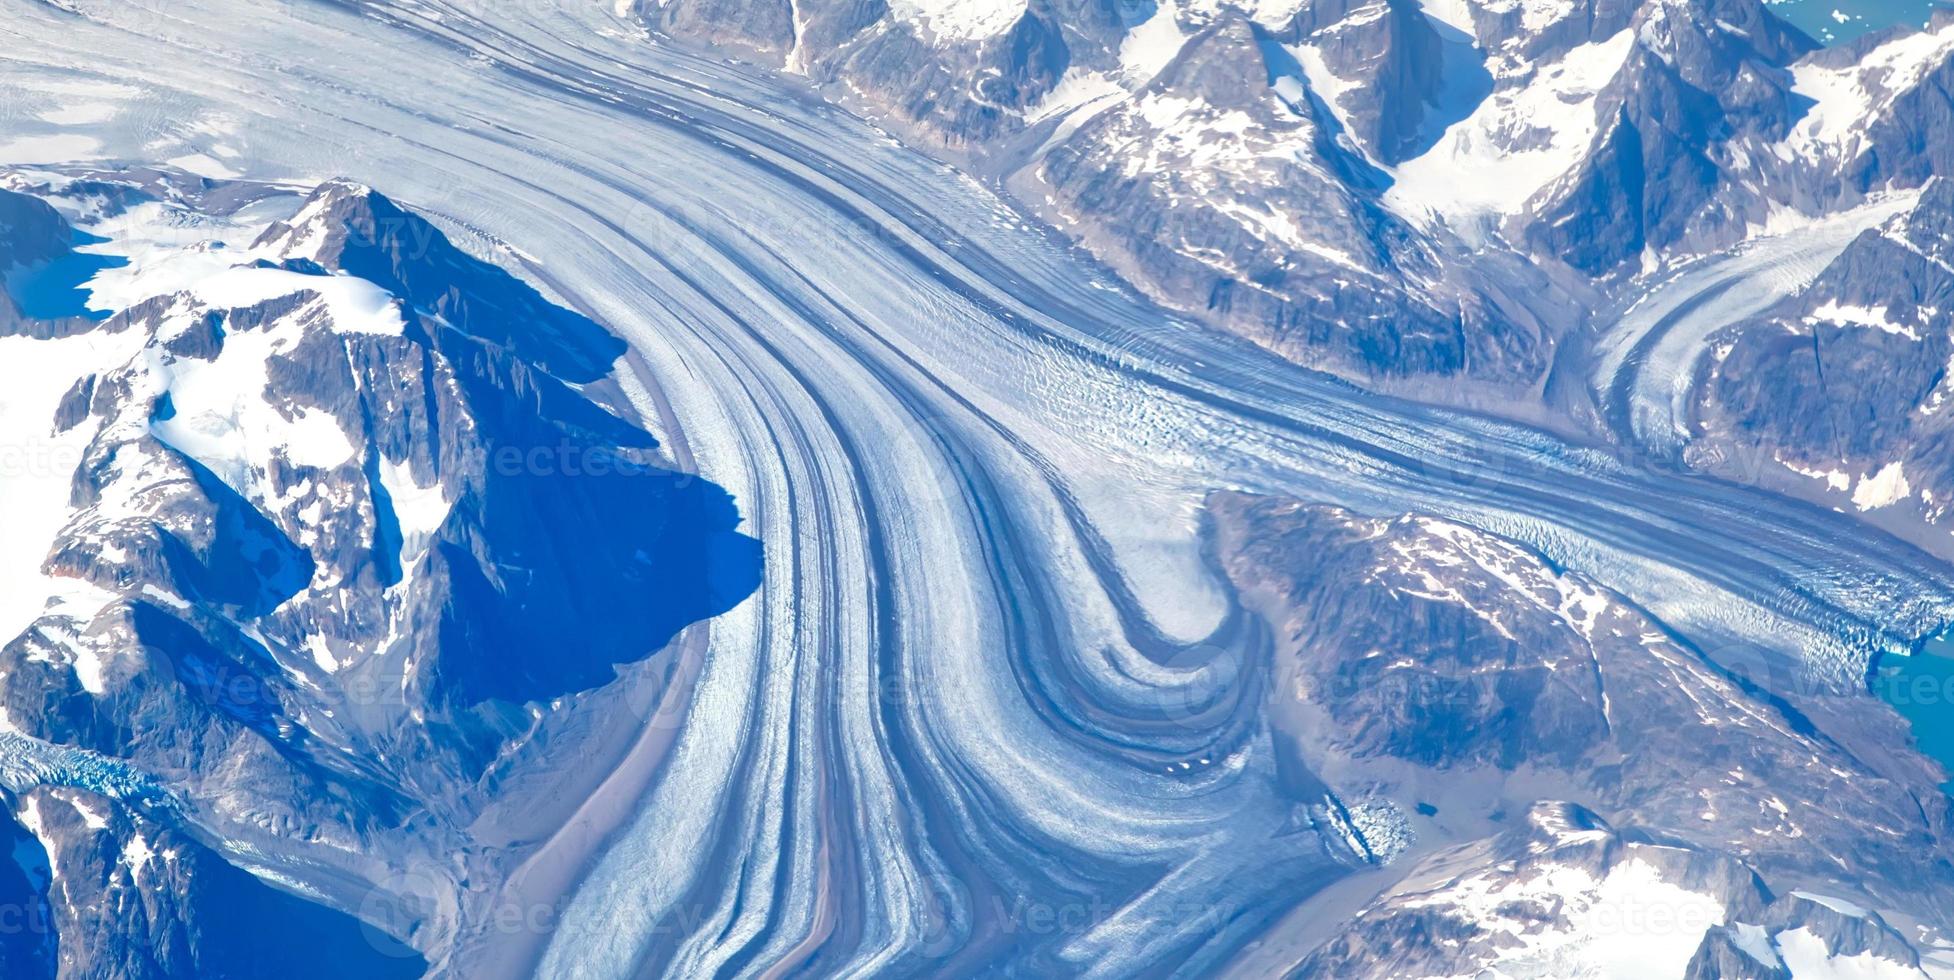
[1704, 82]
[356, 527]
[1238, 162]
[34, 231]
[40, 269]
[1218, 179]
[1397, 60]
[348, 229]
[1563, 891]
[1847, 380]
[96, 889]
[1570, 754]
[1258, 206]
[950, 87]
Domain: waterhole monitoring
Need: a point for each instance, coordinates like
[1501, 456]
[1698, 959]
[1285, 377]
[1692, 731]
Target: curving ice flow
[988, 666]
[1648, 357]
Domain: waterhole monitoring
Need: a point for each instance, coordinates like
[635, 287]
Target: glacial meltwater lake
[1921, 688]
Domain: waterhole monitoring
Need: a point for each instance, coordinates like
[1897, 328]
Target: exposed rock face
[1385, 189]
[1702, 82]
[1390, 61]
[1251, 202]
[1845, 382]
[348, 229]
[1526, 714]
[1224, 162]
[31, 231]
[27, 940]
[130, 897]
[32, 235]
[1724, 954]
[345, 523]
[1517, 35]
[964, 77]
[1876, 115]
[1562, 893]
[1559, 894]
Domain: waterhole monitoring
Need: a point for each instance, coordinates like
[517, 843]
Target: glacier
[975, 463]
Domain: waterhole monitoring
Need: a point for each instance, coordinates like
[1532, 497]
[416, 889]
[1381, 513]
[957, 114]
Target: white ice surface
[1806, 957]
[1514, 144]
[1846, 98]
[1886, 487]
[36, 465]
[961, 20]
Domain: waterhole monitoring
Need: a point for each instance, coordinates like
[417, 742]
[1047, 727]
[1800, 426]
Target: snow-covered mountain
[1562, 893]
[328, 524]
[1138, 600]
[1503, 703]
[1843, 382]
[1473, 191]
[98, 889]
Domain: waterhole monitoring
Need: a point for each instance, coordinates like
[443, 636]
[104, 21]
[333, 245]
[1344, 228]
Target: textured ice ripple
[948, 735]
[29, 762]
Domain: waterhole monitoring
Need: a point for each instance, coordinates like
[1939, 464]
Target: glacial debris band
[989, 706]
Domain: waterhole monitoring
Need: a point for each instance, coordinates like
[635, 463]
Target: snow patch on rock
[1886, 487]
[1845, 98]
[961, 20]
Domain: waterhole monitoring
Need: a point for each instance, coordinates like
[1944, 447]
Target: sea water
[1921, 689]
[1836, 21]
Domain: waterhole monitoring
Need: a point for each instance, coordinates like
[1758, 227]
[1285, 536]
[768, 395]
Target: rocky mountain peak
[345, 227]
[31, 231]
[329, 500]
